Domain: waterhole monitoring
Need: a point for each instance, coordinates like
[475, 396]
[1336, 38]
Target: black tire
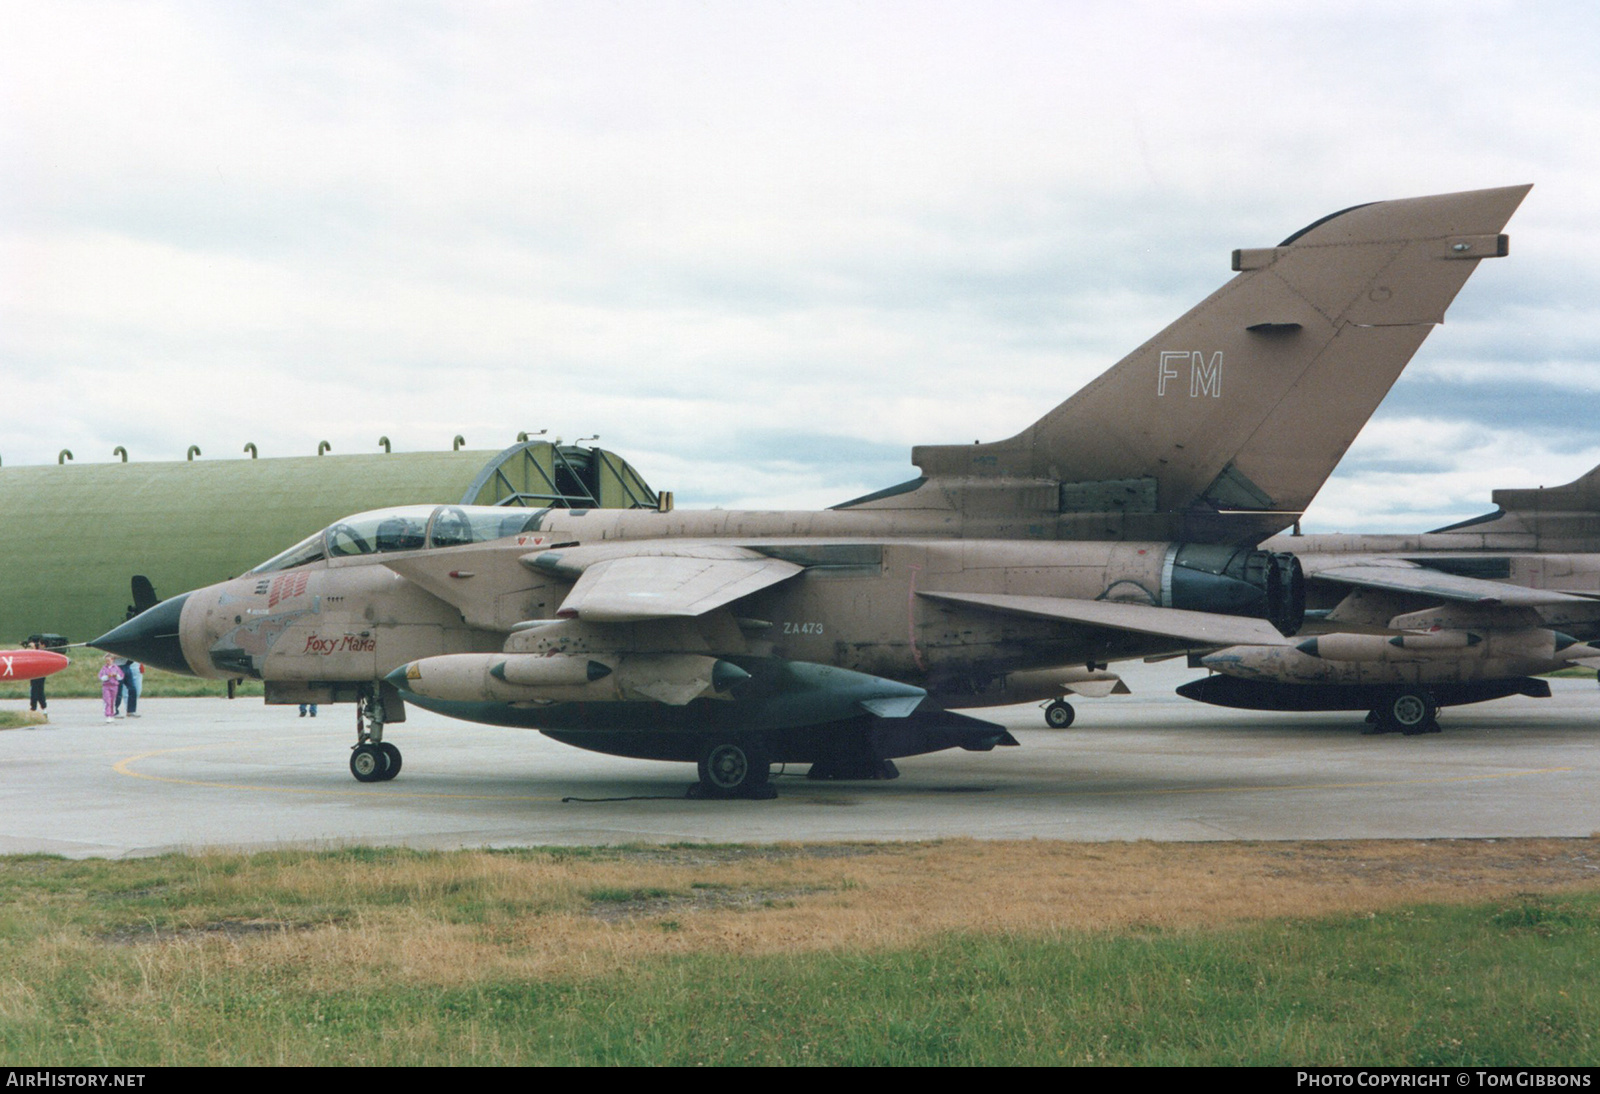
[392, 755]
[733, 769]
[1409, 711]
[1058, 714]
[368, 763]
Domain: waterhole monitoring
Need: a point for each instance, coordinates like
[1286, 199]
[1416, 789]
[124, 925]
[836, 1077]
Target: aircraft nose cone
[150, 637]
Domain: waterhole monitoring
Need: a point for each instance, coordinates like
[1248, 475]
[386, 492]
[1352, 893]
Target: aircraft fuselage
[858, 604]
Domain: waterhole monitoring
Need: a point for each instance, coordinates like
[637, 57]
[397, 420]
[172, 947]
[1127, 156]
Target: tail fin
[144, 595]
[1560, 518]
[1226, 424]
[1580, 495]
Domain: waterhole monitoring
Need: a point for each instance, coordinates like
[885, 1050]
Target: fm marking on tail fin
[1205, 377]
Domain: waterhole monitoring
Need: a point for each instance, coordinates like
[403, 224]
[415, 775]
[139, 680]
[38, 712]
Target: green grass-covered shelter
[75, 535]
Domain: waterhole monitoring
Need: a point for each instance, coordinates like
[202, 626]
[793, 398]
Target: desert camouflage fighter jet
[1119, 525]
[1460, 615]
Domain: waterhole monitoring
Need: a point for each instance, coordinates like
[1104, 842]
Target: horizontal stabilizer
[1201, 628]
[1402, 578]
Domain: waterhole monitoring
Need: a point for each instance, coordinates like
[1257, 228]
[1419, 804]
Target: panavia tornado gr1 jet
[1122, 524]
[1460, 615]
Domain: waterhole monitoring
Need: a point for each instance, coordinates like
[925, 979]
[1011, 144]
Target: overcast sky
[761, 248]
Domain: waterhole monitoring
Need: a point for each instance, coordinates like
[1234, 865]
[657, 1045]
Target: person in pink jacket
[110, 680]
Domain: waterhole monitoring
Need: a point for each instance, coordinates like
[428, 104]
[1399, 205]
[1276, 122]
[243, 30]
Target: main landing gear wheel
[1410, 712]
[731, 769]
[1058, 714]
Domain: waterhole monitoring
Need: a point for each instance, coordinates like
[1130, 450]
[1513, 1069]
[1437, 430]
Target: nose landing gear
[372, 759]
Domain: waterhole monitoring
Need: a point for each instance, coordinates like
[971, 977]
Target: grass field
[1442, 952]
[79, 681]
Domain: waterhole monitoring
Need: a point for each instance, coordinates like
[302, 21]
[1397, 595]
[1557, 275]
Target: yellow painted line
[125, 767]
[935, 791]
[1334, 786]
[924, 793]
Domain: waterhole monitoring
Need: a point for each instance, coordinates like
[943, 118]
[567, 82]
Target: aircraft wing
[1199, 628]
[669, 586]
[1403, 577]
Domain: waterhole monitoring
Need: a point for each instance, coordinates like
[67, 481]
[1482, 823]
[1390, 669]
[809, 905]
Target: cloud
[1412, 474]
[762, 249]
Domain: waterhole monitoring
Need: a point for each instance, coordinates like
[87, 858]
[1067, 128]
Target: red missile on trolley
[30, 664]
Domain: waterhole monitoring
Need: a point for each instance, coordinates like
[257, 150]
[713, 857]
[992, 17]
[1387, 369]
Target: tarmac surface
[195, 774]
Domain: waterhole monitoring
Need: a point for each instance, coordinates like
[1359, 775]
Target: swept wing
[676, 585]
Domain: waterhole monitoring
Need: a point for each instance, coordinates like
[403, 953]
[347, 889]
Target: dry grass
[466, 917]
[950, 952]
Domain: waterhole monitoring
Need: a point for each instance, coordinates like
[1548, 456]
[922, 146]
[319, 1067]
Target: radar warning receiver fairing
[1119, 525]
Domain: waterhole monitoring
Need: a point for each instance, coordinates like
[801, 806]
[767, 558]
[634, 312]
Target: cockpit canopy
[409, 528]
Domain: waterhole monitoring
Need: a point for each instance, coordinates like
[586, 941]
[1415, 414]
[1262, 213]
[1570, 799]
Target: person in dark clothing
[36, 699]
[132, 684]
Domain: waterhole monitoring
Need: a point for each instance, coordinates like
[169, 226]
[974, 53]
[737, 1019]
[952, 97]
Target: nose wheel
[372, 760]
[375, 763]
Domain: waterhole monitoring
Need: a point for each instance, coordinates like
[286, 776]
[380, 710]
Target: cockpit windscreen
[410, 528]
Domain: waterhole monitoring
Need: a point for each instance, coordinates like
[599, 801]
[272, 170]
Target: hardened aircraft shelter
[76, 535]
